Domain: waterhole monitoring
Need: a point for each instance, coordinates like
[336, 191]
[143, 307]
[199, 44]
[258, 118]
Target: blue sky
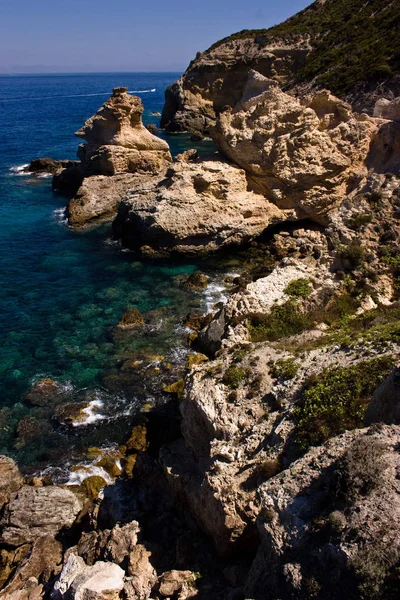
[123, 35]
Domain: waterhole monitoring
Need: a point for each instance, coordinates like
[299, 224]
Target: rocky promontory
[119, 151]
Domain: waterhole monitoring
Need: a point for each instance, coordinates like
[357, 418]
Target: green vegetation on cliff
[353, 41]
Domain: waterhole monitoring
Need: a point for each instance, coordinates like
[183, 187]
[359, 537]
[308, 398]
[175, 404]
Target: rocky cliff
[346, 46]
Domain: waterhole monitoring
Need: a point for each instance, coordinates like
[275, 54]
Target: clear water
[63, 292]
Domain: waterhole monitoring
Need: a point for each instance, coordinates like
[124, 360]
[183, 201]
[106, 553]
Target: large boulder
[77, 581]
[331, 519]
[302, 156]
[36, 511]
[385, 403]
[118, 147]
[39, 563]
[10, 479]
[197, 208]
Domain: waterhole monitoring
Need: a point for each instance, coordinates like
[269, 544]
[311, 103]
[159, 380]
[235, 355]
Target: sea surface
[62, 292]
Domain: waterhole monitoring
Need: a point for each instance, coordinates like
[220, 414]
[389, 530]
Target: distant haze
[124, 35]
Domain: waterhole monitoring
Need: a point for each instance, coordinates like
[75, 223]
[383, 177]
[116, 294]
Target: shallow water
[63, 292]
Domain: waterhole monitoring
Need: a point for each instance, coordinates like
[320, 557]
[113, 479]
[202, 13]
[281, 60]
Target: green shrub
[360, 220]
[353, 253]
[234, 376]
[336, 400]
[360, 470]
[285, 368]
[299, 288]
[282, 321]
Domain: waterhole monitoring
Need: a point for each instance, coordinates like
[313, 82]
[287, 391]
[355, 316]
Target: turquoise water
[63, 292]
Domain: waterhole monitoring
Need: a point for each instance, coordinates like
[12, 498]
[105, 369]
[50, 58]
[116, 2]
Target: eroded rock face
[77, 581]
[198, 208]
[118, 148]
[302, 156]
[10, 479]
[307, 515]
[33, 512]
[385, 404]
[388, 109]
[216, 78]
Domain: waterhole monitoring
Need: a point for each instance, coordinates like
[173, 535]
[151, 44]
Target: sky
[39, 36]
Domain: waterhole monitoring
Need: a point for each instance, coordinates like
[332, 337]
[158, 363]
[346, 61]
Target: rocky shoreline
[272, 472]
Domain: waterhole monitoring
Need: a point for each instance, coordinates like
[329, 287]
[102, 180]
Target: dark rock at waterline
[152, 128]
[45, 392]
[48, 165]
[69, 180]
[130, 319]
[196, 281]
[209, 341]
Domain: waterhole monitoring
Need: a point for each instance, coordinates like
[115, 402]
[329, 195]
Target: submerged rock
[130, 319]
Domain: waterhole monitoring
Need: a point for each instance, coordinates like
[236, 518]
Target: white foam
[88, 470]
[20, 169]
[93, 414]
[60, 215]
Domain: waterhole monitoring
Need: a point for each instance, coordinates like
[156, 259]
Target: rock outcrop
[36, 511]
[308, 51]
[197, 208]
[119, 149]
[302, 156]
[10, 479]
[216, 78]
[308, 511]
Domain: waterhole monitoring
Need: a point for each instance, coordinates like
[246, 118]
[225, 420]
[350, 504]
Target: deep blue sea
[62, 292]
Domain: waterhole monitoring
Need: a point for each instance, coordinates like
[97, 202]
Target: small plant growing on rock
[286, 368]
[234, 376]
[299, 288]
[354, 254]
[336, 399]
[361, 468]
[359, 221]
[282, 321]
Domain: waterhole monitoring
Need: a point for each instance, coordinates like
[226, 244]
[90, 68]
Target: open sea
[62, 292]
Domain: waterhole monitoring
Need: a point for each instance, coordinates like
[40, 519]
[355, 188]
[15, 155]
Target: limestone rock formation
[118, 148]
[302, 156]
[385, 404]
[33, 512]
[216, 78]
[388, 109]
[77, 581]
[198, 208]
[308, 511]
[10, 479]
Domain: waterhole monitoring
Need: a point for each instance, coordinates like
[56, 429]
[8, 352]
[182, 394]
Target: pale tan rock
[118, 146]
[388, 109]
[198, 208]
[40, 563]
[98, 198]
[102, 581]
[291, 504]
[141, 571]
[302, 156]
[10, 479]
[179, 584]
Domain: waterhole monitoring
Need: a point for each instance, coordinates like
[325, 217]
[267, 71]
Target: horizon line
[13, 74]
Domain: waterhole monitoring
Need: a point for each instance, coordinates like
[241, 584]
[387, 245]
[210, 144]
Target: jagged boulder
[118, 148]
[385, 403]
[10, 479]
[36, 511]
[197, 208]
[310, 512]
[302, 156]
[77, 581]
